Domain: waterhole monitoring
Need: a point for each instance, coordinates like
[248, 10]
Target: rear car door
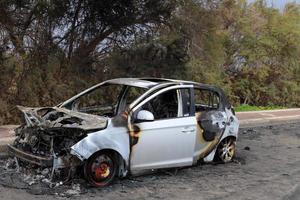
[168, 140]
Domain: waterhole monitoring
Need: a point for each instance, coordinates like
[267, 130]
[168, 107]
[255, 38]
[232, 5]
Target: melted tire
[226, 150]
[89, 172]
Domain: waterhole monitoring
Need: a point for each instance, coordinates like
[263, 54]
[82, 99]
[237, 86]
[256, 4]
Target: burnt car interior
[170, 104]
[206, 100]
[163, 106]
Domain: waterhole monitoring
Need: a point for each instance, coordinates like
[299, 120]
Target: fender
[115, 138]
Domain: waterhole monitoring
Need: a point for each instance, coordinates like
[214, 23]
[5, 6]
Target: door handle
[187, 130]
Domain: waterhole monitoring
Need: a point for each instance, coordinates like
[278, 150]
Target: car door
[168, 140]
[212, 121]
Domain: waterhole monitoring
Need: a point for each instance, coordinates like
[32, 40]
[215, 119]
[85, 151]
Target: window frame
[184, 98]
[137, 107]
[124, 95]
[118, 99]
[70, 104]
[216, 94]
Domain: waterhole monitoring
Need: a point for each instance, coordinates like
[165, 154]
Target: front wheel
[100, 169]
[226, 150]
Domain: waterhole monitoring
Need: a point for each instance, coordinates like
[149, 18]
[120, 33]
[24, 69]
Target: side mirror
[144, 116]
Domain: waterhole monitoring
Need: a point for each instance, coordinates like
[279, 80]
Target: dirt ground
[267, 167]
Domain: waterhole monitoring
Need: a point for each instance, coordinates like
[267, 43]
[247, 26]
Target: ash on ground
[38, 181]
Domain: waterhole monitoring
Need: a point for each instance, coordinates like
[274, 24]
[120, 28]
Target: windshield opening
[101, 101]
[107, 100]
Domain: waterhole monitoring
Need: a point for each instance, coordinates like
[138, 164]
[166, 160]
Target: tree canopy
[50, 50]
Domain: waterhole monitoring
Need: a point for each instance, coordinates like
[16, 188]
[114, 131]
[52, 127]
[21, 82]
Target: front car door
[168, 140]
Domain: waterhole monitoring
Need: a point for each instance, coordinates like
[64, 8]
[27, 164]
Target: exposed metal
[54, 117]
[38, 160]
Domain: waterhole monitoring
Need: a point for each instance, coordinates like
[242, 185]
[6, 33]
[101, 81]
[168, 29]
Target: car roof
[147, 82]
[132, 82]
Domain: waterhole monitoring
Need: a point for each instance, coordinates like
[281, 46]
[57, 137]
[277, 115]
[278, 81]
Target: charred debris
[43, 143]
[37, 180]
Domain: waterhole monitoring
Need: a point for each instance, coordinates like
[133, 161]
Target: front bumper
[38, 160]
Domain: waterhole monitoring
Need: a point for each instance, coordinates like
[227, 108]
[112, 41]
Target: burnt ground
[267, 167]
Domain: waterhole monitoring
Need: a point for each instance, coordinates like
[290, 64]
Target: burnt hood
[54, 117]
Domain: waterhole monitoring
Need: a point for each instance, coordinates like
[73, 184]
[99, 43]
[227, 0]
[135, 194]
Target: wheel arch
[105, 141]
[229, 136]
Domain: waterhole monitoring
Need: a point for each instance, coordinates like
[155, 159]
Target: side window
[164, 105]
[206, 100]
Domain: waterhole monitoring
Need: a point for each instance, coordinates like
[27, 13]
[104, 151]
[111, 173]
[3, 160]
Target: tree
[73, 34]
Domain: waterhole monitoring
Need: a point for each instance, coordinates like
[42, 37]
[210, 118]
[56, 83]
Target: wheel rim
[101, 169]
[227, 150]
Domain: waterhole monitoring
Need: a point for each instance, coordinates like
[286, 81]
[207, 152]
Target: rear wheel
[226, 150]
[100, 169]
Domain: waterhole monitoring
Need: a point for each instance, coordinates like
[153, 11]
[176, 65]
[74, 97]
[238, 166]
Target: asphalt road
[267, 167]
[254, 118]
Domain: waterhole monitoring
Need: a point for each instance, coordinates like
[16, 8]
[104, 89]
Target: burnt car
[129, 126]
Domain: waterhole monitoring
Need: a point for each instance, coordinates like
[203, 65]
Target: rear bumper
[38, 160]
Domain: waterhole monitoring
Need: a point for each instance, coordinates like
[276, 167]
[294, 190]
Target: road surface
[254, 118]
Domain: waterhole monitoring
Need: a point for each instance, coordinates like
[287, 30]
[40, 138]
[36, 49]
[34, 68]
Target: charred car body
[130, 126]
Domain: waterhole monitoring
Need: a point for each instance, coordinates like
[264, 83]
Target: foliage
[50, 50]
[245, 107]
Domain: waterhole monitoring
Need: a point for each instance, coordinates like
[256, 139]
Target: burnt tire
[226, 150]
[101, 168]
